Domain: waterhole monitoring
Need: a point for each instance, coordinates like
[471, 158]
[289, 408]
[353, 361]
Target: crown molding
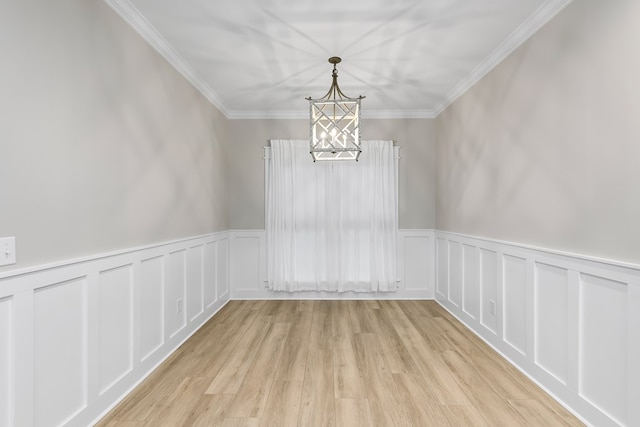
[303, 114]
[398, 114]
[537, 20]
[139, 23]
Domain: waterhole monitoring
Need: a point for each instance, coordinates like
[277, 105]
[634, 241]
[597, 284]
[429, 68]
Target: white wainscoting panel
[209, 275]
[470, 282]
[248, 271]
[455, 273]
[116, 325]
[76, 336]
[195, 283]
[415, 263]
[603, 344]
[442, 261]
[551, 328]
[247, 265]
[488, 289]
[514, 291]
[175, 293]
[223, 281]
[6, 364]
[151, 305]
[570, 322]
[60, 350]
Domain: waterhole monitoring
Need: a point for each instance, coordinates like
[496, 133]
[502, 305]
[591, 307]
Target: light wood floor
[336, 363]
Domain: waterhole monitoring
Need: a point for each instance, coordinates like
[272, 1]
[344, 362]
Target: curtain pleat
[331, 226]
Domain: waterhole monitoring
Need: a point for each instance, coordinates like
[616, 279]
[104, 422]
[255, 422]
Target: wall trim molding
[80, 334]
[540, 17]
[70, 261]
[140, 24]
[568, 322]
[367, 114]
[248, 269]
[544, 250]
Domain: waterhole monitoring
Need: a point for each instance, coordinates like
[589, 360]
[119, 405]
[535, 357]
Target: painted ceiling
[262, 58]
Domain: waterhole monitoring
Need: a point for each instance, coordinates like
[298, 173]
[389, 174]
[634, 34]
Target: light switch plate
[7, 250]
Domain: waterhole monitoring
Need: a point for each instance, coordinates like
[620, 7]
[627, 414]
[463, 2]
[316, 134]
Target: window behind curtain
[331, 226]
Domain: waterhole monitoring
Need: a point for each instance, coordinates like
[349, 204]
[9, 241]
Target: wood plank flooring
[336, 363]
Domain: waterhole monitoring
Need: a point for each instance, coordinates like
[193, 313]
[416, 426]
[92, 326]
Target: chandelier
[335, 123]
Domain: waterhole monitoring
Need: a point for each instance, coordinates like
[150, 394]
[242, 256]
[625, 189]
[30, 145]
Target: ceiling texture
[262, 58]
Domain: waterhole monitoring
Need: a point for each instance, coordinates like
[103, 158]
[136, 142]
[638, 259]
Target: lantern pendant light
[335, 123]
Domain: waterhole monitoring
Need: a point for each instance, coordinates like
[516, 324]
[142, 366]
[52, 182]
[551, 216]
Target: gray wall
[545, 150]
[416, 175]
[103, 145]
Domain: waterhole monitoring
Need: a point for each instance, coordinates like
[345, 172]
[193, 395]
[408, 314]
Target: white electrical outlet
[7, 250]
[179, 306]
[492, 307]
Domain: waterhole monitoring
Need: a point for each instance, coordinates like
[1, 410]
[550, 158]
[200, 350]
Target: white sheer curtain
[331, 226]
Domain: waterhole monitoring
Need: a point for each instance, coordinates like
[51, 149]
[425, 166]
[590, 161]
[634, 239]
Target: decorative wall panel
[151, 305]
[246, 263]
[415, 269]
[175, 292]
[471, 277]
[209, 275]
[86, 331]
[223, 282]
[6, 364]
[489, 289]
[442, 271]
[551, 319]
[578, 333]
[416, 261]
[60, 350]
[455, 273]
[570, 323]
[116, 325]
[195, 289]
[603, 344]
[515, 302]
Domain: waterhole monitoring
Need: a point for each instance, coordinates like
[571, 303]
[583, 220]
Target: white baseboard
[77, 336]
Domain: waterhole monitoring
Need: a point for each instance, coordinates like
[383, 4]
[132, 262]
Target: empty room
[366, 213]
